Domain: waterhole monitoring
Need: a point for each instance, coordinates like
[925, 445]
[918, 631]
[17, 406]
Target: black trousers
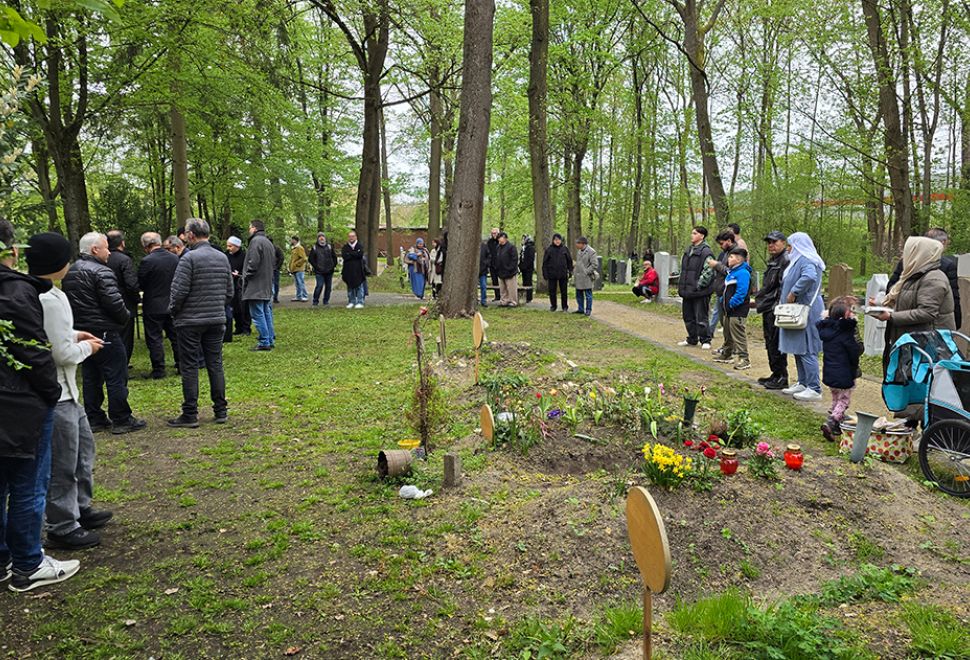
[642, 292]
[155, 326]
[777, 361]
[560, 285]
[240, 313]
[696, 312]
[527, 281]
[202, 345]
[128, 334]
[495, 283]
[106, 370]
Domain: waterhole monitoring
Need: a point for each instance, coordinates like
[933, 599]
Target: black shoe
[552, 309]
[94, 518]
[831, 429]
[79, 539]
[184, 422]
[579, 312]
[131, 425]
[485, 304]
[222, 419]
[776, 384]
[158, 375]
[765, 379]
[100, 428]
[261, 348]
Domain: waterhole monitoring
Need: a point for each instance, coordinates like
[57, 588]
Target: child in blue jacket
[734, 310]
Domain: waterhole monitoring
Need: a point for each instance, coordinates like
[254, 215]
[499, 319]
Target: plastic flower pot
[860, 441]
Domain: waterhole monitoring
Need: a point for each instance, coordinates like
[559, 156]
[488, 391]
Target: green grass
[936, 632]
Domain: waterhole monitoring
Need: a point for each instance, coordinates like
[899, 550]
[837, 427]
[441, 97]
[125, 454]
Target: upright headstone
[965, 304]
[663, 266]
[612, 277]
[629, 271]
[875, 330]
[963, 265]
[840, 281]
[622, 269]
[598, 284]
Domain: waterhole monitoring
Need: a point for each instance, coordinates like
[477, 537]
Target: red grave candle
[794, 457]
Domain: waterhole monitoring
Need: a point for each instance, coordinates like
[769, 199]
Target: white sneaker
[350, 305]
[359, 306]
[794, 389]
[706, 346]
[808, 395]
[683, 343]
[50, 571]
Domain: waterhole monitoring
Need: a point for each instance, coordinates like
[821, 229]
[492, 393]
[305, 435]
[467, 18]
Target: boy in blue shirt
[734, 310]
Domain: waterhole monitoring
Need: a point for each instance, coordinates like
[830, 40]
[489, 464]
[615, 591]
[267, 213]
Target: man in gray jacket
[201, 289]
[585, 275]
[258, 284]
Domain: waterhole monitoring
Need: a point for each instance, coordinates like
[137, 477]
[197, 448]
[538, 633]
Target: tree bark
[386, 186]
[897, 156]
[180, 167]
[47, 193]
[631, 241]
[458, 297]
[434, 165]
[538, 132]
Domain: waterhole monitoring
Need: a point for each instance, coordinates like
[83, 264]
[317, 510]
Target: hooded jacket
[737, 290]
[26, 395]
[840, 352]
[96, 300]
[557, 262]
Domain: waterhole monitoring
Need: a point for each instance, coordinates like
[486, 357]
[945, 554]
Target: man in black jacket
[324, 263]
[696, 299]
[506, 267]
[557, 268]
[768, 296]
[239, 310]
[948, 264]
[278, 259]
[99, 308]
[155, 273]
[201, 289]
[493, 259]
[527, 265]
[27, 400]
[484, 266]
[121, 263]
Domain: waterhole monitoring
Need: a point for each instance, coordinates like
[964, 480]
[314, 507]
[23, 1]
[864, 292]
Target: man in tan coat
[298, 261]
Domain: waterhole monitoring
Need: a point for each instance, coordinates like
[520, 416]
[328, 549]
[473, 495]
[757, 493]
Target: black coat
[123, 267]
[26, 395]
[527, 261]
[557, 263]
[840, 352]
[353, 273]
[323, 259]
[484, 260]
[95, 298]
[948, 265]
[493, 254]
[770, 292]
[155, 273]
[506, 263]
[202, 287]
[691, 265]
[278, 257]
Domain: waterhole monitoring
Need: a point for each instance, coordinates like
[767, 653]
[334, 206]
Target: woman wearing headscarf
[437, 259]
[418, 260]
[922, 299]
[802, 284]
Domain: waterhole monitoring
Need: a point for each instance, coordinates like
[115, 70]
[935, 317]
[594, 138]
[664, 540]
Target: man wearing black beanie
[27, 400]
[70, 517]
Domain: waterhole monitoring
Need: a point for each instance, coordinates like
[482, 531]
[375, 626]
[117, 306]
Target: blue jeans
[23, 497]
[807, 366]
[483, 288]
[324, 284]
[300, 285]
[355, 296]
[584, 300]
[715, 317]
[262, 313]
[276, 286]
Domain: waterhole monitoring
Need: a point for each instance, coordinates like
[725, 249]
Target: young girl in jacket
[649, 285]
[840, 354]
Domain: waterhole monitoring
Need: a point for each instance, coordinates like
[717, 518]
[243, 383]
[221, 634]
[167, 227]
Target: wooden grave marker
[487, 423]
[479, 325]
[648, 539]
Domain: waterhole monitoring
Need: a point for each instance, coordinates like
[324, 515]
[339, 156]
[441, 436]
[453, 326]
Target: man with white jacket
[70, 517]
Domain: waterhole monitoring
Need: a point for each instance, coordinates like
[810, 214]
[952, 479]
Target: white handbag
[794, 316]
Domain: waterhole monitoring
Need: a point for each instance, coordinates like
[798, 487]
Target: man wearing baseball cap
[27, 400]
[70, 517]
[768, 296]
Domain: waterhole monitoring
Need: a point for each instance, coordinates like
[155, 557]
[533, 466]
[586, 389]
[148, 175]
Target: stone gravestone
[663, 263]
[598, 284]
[840, 281]
[612, 278]
[629, 273]
[963, 271]
[622, 269]
[963, 265]
[875, 330]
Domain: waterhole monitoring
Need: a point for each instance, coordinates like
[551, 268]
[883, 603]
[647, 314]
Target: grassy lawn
[273, 535]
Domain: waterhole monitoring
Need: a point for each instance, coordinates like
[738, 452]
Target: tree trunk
[538, 134]
[574, 200]
[180, 167]
[47, 194]
[458, 297]
[897, 156]
[631, 241]
[386, 185]
[434, 166]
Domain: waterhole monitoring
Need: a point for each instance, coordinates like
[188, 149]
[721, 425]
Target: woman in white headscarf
[802, 283]
[922, 299]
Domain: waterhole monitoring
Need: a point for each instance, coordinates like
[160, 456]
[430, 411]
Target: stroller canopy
[911, 366]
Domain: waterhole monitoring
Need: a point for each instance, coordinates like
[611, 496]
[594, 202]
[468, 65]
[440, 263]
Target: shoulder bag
[794, 316]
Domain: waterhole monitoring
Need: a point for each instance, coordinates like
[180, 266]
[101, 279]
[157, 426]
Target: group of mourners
[922, 295]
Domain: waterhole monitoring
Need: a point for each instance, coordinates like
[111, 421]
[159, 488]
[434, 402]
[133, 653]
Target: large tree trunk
[47, 194]
[897, 156]
[574, 200]
[458, 296]
[538, 135]
[180, 166]
[694, 34]
[386, 188]
[434, 165]
[631, 241]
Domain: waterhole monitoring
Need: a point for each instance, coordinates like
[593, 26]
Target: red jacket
[650, 281]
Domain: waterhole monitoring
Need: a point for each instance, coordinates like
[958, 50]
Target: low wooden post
[452, 470]
[442, 338]
[478, 338]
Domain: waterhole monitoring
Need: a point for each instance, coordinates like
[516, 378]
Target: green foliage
[8, 337]
[870, 583]
[715, 618]
[617, 625]
[537, 639]
[742, 430]
[936, 632]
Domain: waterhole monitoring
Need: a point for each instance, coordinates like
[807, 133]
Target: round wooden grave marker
[488, 423]
[648, 539]
[479, 325]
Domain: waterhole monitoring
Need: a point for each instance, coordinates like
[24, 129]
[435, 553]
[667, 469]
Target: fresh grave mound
[579, 454]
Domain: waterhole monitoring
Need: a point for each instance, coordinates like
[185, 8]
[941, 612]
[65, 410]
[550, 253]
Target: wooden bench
[522, 290]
